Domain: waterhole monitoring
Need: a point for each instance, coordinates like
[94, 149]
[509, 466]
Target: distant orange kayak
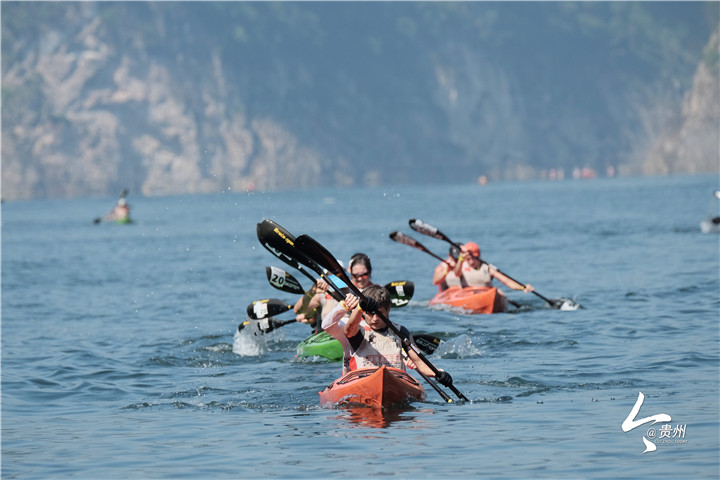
[373, 387]
[473, 299]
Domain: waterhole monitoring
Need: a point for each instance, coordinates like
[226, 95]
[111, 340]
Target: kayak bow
[373, 387]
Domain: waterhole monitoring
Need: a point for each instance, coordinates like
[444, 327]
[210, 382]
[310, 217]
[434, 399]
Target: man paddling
[369, 342]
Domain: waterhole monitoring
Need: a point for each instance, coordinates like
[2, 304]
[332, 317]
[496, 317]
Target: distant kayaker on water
[120, 212]
[369, 341]
[471, 271]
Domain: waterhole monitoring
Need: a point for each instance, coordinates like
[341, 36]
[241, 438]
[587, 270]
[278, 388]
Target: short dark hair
[379, 294]
[362, 259]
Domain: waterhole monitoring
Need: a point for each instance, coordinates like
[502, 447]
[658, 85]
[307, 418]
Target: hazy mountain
[187, 97]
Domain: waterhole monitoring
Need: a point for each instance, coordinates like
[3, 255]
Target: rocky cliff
[691, 142]
[168, 98]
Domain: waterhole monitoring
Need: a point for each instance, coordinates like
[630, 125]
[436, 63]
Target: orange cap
[473, 248]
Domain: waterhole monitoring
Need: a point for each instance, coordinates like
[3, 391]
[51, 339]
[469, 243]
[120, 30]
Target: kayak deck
[373, 387]
[473, 299]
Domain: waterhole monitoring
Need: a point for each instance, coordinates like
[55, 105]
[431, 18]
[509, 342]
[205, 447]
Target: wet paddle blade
[266, 308]
[427, 229]
[319, 255]
[427, 343]
[400, 292]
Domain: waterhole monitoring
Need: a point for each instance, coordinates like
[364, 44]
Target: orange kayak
[373, 387]
[474, 299]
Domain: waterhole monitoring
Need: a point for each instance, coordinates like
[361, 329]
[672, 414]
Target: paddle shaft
[432, 383]
[411, 242]
[435, 233]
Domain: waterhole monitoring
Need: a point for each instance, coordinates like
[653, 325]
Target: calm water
[120, 357]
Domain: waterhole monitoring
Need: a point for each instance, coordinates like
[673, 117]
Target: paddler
[317, 302]
[121, 212]
[370, 342]
[445, 266]
[471, 271]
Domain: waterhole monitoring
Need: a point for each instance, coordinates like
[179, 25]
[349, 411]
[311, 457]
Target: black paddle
[407, 240]
[266, 325]
[282, 280]
[319, 255]
[429, 230]
[400, 293]
[279, 242]
[263, 310]
[266, 308]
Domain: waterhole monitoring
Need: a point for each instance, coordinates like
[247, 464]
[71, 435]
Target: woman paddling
[469, 271]
[317, 303]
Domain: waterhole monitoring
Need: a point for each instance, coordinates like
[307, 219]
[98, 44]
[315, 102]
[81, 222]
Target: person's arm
[441, 272]
[303, 303]
[333, 318]
[352, 327]
[312, 298]
[460, 261]
[420, 364]
[495, 273]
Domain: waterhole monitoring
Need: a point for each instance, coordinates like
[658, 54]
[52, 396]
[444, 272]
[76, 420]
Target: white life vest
[377, 349]
[474, 278]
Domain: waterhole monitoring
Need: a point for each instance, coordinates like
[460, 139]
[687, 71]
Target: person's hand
[410, 364]
[351, 301]
[302, 318]
[528, 288]
[321, 285]
[368, 305]
[444, 378]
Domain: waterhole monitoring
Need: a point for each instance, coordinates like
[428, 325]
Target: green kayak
[321, 344]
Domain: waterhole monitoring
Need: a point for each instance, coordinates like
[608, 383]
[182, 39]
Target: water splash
[247, 344]
[461, 346]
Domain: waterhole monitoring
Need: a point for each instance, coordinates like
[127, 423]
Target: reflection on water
[380, 417]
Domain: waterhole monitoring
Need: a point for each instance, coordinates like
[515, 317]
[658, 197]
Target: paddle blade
[400, 292]
[318, 254]
[427, 229]
[266, 308]
[282, 280]
[275, 239]
[315, 253]
[402, 238]
[427, 343]
[283, 245]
